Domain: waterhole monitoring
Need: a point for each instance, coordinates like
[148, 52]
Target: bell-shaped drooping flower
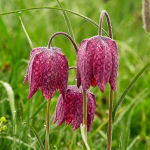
[97, 63]
[71, 108]
[97, 60]
[47, 70]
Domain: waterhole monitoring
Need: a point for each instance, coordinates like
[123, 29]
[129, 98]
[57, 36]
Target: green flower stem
[47, 125]
[85, 114]
[54, 8]
[65, 34]
[109, 132]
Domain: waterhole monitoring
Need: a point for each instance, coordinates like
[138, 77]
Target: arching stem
[108, 23]
[47, 125]
[65, 34]
[109, 132]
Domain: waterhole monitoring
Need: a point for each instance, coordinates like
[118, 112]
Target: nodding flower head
[47, 70]
[71, 108]
[97, 63]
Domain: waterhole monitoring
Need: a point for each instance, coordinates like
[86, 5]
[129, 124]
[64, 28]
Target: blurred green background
[131, 127]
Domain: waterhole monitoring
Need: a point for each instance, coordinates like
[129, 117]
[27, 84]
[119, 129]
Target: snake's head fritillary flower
[97, 63]
[47, 70]
[71, 108]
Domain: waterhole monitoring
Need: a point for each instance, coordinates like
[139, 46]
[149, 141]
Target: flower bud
[3, 120]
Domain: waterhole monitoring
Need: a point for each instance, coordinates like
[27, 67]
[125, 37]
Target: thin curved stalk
[65, 34]
[67, 21]
[54, 8]
[109, 132]
[108, 24]
[47, 125]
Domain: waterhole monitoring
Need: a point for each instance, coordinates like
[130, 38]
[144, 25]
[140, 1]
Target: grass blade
[127, 90]
[35, 133]
[67, 21]
[38, 109]
[83, 136]
[20, 133]
[128, 130]
[10, 94]
[133, 142]
[144, 93]
[17, 141]
[54, 8]
[29, 40]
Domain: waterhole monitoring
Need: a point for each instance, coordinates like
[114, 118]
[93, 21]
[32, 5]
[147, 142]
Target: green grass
[131, 126]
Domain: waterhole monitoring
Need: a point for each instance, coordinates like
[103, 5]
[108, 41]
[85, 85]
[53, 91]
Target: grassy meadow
[131, 127]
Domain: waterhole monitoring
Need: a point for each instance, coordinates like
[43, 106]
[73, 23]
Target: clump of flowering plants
[97, 64]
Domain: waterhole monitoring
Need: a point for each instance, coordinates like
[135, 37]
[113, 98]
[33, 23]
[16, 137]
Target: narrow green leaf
[83, 136]
[127, 90]
[133, 142]
[17, 141]
[35, 133]
[29, 40]
[20, 133]
[128, 131]
[143, 94]
[120, 142]
[10, 94]
[54, 8]
[100, 127]
[90, 142]
[67, 21]
[72, 140]
[38, 109]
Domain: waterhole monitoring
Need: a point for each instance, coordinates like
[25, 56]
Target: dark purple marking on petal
[102, 66]
[59, 111]
[63, 74]
[32, 55]
[87, 69]
[115, 60]
[47, 70]
[93, 83]
[99, 64]
[71, 108]
[49, 74]
[108, 64]
[91, 107]
[34, 76]
[80, 57]
[85, 62]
